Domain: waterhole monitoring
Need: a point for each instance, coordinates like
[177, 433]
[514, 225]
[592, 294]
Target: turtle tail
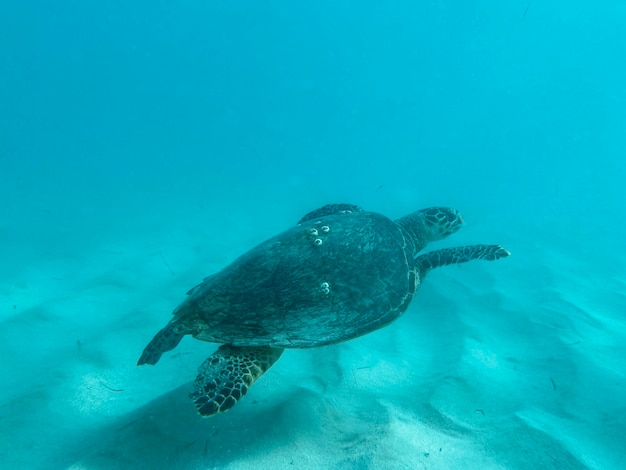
[225, 377]
[165, 340]
[462, 254]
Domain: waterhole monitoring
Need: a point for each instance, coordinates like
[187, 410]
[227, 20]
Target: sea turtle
[340, 273]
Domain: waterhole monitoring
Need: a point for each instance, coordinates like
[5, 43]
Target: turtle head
[429, 225]
[439, 222]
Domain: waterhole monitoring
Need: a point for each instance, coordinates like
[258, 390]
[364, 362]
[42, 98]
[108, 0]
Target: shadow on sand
[167, 433]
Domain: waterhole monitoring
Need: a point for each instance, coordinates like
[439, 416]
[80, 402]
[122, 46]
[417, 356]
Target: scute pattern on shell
[273, 294]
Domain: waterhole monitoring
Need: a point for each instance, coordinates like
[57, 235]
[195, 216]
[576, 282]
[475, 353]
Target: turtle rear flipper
[462, 254]
[165, 340]
[225, 377]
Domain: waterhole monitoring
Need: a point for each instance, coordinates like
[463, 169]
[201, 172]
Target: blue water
[145, 146]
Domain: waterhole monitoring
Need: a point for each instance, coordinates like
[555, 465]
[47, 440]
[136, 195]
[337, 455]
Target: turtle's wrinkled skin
[340, 273]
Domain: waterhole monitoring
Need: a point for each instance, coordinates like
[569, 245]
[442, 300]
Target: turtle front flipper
[165, 340]
[225, 377]
[462, 254]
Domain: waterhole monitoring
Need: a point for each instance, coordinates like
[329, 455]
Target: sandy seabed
[517, 364]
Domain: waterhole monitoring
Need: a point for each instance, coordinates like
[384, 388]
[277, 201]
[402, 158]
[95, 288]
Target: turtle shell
[331, 278]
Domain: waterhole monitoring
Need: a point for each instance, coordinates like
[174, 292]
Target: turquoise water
[145, 146]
